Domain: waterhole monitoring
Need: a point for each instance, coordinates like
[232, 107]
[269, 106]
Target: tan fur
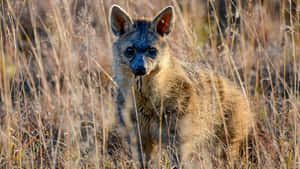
[183, 109]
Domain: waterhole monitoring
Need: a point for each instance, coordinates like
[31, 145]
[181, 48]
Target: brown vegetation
[56, 90]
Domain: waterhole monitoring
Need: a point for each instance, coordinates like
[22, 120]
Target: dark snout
[139, 71]
[137, 67]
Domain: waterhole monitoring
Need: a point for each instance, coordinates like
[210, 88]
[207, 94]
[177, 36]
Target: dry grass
[56, 88]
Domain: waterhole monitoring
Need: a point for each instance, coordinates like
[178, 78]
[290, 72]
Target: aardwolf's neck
[160, 82]
[155, 83]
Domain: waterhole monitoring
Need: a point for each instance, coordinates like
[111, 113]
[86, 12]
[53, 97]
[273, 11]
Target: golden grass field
[57, 92]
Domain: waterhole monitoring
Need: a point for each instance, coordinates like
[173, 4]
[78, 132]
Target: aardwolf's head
[141, 47]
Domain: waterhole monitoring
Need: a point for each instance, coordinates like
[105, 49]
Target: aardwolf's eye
[152, 51]
[130, 51]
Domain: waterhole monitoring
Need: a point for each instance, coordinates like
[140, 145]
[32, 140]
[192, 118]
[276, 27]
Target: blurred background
[57, 88]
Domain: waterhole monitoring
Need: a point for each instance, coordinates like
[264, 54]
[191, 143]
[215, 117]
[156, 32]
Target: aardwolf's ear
[119, 20]
[164, 21]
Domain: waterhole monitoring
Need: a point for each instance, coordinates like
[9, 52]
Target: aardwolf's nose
[139, 71]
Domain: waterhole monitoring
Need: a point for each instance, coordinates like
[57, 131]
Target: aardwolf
[163, 106]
